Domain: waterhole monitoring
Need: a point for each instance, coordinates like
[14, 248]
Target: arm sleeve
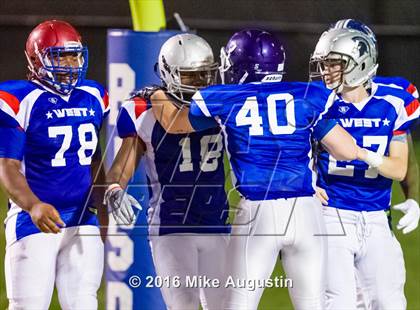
[412, 89]
[105, 100]
[12, 135]
[202, 111]
[201, 122]
[323, 127]
[12, 142]
[318, 101]
[125, 124]
[99, 92]
[207, 102]
[408, 114]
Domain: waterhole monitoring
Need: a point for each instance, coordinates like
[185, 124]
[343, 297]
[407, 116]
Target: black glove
[146, 92]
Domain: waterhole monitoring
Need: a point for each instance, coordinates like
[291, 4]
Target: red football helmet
[46, 46]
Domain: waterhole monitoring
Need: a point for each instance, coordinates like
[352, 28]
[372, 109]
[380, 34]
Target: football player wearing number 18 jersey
[268, 126]
[360, 243]
[188, 206]
[49, 126]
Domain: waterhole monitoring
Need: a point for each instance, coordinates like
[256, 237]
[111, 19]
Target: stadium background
[299, 23]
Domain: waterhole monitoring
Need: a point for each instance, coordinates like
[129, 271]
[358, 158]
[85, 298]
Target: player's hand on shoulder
[158, 95]
[322, 195]
[121, 204]
[46, 217]
[146, 92]
[410, 220]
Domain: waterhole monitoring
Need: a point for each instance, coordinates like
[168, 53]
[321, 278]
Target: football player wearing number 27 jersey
[410, 185]
[360, 243]
[268, 126]
[49, 155]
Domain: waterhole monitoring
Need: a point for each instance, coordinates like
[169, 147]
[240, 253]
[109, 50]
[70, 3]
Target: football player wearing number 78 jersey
[49, 157]
[360, 243]
[268, 125]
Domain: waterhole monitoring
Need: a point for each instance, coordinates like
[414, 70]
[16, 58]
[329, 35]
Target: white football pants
[261, 229]
[72, 259]
[362, 247]
[182, 255]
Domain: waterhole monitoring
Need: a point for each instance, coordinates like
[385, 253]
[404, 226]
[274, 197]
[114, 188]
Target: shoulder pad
[19, 88]
[146, 92]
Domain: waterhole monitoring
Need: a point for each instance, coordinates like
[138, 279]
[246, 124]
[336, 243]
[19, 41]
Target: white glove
[121, 204]
[410, 220]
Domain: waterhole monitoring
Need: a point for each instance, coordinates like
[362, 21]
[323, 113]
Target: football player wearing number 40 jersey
[188, 205]
[360, 243]
[49, 129]
[268, 128]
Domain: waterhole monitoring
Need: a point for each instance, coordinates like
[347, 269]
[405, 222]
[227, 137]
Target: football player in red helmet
[56, 56]
[49, 157]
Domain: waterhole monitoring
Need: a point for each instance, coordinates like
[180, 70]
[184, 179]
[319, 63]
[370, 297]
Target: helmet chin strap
[339, 88]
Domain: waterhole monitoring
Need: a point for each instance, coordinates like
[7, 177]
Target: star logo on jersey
[91, 112]
[49, 115]
[343, 109]
[53, 100]
[386, 122]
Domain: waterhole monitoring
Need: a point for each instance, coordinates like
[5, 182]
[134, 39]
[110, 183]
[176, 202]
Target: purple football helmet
[252, 55]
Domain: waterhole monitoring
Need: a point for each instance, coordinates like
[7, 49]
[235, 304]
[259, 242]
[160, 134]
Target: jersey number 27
[348, 170]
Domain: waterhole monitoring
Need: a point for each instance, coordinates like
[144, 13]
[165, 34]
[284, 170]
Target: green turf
[275, 298]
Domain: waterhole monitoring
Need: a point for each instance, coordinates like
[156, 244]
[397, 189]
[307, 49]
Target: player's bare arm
[117, 200]
[98, 178]
[175, 120]
[393, 166]
[43, 215]
[340, 144]
[410, 185]
[98, 191]
[125, 163]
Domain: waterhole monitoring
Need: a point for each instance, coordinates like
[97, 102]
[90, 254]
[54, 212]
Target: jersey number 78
[67, 131]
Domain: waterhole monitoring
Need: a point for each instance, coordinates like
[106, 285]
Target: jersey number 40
[249, 115]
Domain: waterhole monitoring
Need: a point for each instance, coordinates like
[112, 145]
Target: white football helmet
[354, 50]
[186, 64]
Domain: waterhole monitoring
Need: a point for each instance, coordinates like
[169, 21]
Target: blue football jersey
[268, 127]
[353, 185]
[55, 137]
[397, 82]
[185, 174]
